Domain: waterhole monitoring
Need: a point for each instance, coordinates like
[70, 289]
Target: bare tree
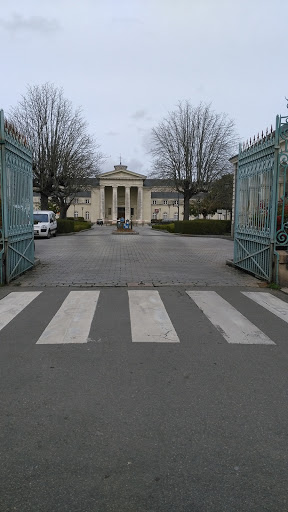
[64, 154]
[222, 192]
[192, 147]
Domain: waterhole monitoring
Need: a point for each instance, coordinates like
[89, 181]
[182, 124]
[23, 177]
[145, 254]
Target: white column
[102, 203]
[140, 205]
[114, 204]
[127, 203]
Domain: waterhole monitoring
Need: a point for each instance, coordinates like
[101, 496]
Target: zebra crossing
[149, 319]
[72, 322]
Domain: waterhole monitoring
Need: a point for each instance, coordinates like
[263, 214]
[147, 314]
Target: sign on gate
[16, 194]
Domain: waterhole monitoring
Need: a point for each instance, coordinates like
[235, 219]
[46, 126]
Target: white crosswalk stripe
[72, 322]
[228, 321]
[13, 304]
[149, 319]
[277, 306]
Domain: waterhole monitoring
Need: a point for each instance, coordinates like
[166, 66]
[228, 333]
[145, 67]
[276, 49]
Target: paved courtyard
[153, 258]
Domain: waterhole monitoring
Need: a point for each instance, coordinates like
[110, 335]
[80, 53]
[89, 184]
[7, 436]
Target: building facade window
[154, 201]
[175, 216]
[76, 215]
[165, 201]
[165, 216]
[87, 201]
[154, 215]
[87, 215]
[76, 200]
[176, 202]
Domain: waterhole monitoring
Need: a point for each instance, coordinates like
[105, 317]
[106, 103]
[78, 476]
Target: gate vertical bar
[274, 253]
[3, 224]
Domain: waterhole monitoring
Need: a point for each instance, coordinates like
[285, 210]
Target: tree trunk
[63, 211]
[186, 204]
[44, 201]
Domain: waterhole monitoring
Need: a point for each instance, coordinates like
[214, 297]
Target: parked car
[45, 223]
[99, 222]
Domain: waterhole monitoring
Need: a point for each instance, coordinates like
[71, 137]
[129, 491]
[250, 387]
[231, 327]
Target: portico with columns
[122, 195]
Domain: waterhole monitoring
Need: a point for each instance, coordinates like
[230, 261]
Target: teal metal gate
[256, 206]
[16, 194]
[282, 184]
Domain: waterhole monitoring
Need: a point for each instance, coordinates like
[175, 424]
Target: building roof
[166, 195]
[158, 182]
[93, 182]
[84, 193]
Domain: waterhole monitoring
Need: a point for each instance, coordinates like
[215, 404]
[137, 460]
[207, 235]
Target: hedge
[65, 226]
[166, 227]
[71, 226]
[79, 226]
[203, 227]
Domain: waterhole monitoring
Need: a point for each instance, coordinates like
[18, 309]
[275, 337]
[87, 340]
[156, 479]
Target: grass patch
[274, 286]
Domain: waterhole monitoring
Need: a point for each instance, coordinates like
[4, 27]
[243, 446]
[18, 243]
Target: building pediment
[121, 173]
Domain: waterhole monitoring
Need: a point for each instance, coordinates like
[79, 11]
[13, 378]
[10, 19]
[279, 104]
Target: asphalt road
[113, 424]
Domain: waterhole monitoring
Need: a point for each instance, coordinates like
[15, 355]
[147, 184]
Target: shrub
[203, 227]
[65, 226]
[80, 225]
[72, 226]
[166, 227]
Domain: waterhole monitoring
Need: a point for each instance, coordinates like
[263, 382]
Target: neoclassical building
[123, 193]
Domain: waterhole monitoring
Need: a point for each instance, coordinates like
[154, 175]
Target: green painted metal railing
[261, 212]
[16, 193]
[282, 183]
[256, 206]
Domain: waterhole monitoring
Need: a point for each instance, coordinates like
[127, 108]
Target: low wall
[283, 268]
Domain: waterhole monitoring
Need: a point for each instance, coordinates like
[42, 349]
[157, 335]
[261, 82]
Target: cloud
[112, 134]
[139, 114]
[135, 165]
[127, 19]
[31, 24]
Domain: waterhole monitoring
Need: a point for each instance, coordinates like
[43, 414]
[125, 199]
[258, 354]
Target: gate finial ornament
[287, 101]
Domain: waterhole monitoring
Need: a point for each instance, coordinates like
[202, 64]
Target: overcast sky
[129, 62]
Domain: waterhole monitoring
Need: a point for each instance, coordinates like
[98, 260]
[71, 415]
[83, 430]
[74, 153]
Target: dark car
[99, 222]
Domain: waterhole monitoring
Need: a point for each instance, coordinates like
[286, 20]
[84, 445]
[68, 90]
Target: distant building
[123, 193]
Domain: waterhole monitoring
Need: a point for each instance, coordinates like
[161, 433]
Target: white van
[45, 223]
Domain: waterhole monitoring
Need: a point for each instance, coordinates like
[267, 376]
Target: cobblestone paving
[152, 258]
